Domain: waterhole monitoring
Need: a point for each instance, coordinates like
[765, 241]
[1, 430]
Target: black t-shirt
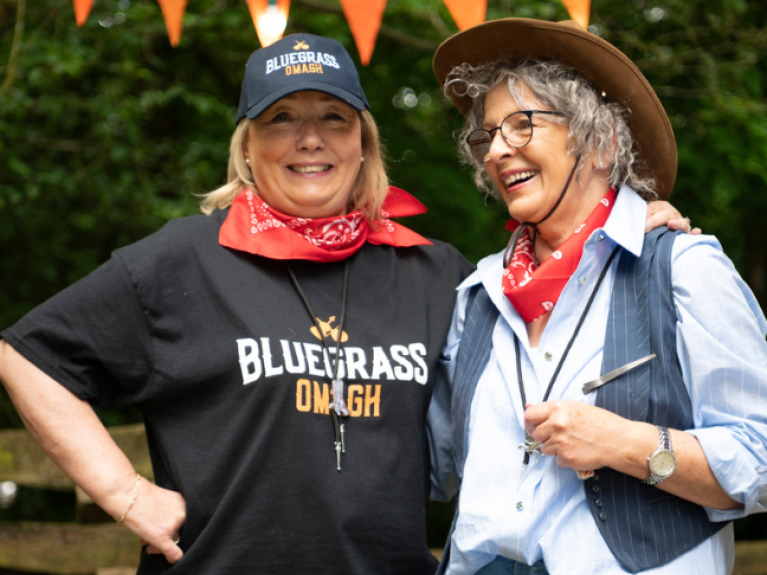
[216, 349]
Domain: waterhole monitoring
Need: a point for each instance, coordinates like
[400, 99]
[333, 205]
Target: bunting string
[364, 17]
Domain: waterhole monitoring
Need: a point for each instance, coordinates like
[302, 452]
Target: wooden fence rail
[95, 545]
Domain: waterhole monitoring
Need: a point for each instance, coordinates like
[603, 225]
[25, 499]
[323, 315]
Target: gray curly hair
[595, 125]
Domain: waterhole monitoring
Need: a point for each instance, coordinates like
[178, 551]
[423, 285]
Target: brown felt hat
[602, 63]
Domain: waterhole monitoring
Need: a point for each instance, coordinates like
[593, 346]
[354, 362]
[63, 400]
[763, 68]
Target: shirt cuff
[734, 466]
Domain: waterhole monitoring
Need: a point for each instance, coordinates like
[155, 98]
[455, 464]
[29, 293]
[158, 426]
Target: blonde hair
[370, 187]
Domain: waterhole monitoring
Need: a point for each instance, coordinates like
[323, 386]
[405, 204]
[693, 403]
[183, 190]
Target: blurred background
[107, 132]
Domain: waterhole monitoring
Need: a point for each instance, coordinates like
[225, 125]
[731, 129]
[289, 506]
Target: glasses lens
[479, 143]
[517, 129]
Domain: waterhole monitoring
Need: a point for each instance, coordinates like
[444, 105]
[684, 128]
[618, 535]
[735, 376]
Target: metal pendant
[339, 405]
[531, 446]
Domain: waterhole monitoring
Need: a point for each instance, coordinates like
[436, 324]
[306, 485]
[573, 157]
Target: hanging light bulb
[272, 22]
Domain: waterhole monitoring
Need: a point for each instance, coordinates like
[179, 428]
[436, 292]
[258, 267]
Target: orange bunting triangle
[82, 9]
[364, 18]
[579, 11]
[467, 13]
[268, 30]
[173, 14]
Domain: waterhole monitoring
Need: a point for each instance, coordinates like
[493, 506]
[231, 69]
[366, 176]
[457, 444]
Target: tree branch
[13, 59]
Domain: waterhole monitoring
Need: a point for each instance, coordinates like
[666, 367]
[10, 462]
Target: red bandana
[533, 292]
[253, 226]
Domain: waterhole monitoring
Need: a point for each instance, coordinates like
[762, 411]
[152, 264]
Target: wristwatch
[662, 461]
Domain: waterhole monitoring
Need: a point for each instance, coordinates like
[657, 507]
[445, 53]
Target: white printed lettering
[381, 364]
[266, 353]
[300, 366]
[417, 351]
[404, 370]
[250, 365]
[329, 364]
[355, 363]
[313, 358]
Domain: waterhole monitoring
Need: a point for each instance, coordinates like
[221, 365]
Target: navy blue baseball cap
[299, 62]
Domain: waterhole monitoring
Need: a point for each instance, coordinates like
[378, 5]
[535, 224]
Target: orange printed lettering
[354, 402]
[321, 400]
[373, 401]
[303, 395]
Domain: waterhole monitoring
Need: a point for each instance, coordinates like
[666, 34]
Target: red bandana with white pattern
[253, 226]
[534, 291]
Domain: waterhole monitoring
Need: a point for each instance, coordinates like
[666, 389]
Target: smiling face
[532, 178]
[305, 153]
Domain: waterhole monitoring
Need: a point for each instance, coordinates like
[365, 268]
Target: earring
[362, 159]
[247, 160]
[601, 164]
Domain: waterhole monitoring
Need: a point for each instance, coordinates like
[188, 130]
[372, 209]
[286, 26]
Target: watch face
[662, 464]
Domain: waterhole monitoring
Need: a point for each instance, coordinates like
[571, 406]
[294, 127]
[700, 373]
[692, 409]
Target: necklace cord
[580, 321]
[602, 275]
[337, 432]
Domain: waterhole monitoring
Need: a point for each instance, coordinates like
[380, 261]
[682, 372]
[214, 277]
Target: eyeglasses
[516, 129]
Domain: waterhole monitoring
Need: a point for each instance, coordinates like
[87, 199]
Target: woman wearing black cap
[604, 411]
[270, 454]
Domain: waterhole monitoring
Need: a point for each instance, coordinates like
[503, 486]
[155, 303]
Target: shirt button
[598, 502]
[602, 517]
[547, 356]
[581, 281]
[595, 489]
[601, 237]
[520, 505]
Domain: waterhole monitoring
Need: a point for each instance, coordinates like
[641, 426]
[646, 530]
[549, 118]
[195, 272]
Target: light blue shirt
[723, 354]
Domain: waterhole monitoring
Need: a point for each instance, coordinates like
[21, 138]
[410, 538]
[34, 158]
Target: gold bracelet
[132, 500]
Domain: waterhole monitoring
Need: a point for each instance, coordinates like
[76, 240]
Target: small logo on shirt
[328, 330]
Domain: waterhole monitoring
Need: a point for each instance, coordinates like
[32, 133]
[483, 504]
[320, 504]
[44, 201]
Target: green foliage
[106, 132]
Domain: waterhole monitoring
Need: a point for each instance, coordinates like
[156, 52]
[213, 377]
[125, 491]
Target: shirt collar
[625, 227]
[626, 223]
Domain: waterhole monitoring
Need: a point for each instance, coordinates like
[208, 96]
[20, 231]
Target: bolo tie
[530, 445]
[338, 407]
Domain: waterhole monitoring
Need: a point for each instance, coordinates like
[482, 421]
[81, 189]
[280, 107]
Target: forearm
[69, 432]
[693, 479]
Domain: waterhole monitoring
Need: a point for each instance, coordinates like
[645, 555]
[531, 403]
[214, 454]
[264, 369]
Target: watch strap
[664, 444]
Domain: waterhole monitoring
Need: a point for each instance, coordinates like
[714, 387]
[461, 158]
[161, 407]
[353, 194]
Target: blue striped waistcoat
[643, 526]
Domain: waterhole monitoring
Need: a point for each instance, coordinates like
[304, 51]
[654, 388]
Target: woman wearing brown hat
[270, 455]
[603, 414]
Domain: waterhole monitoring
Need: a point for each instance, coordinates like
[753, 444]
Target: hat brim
[346, 97]
[599, 61]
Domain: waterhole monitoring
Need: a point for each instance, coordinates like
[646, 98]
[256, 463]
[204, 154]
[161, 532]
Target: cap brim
[346, 97]
[602, 63]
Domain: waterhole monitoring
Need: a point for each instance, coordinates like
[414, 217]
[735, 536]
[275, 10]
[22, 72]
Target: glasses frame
[491, 133]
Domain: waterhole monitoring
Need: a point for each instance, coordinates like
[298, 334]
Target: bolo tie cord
[339, 407]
